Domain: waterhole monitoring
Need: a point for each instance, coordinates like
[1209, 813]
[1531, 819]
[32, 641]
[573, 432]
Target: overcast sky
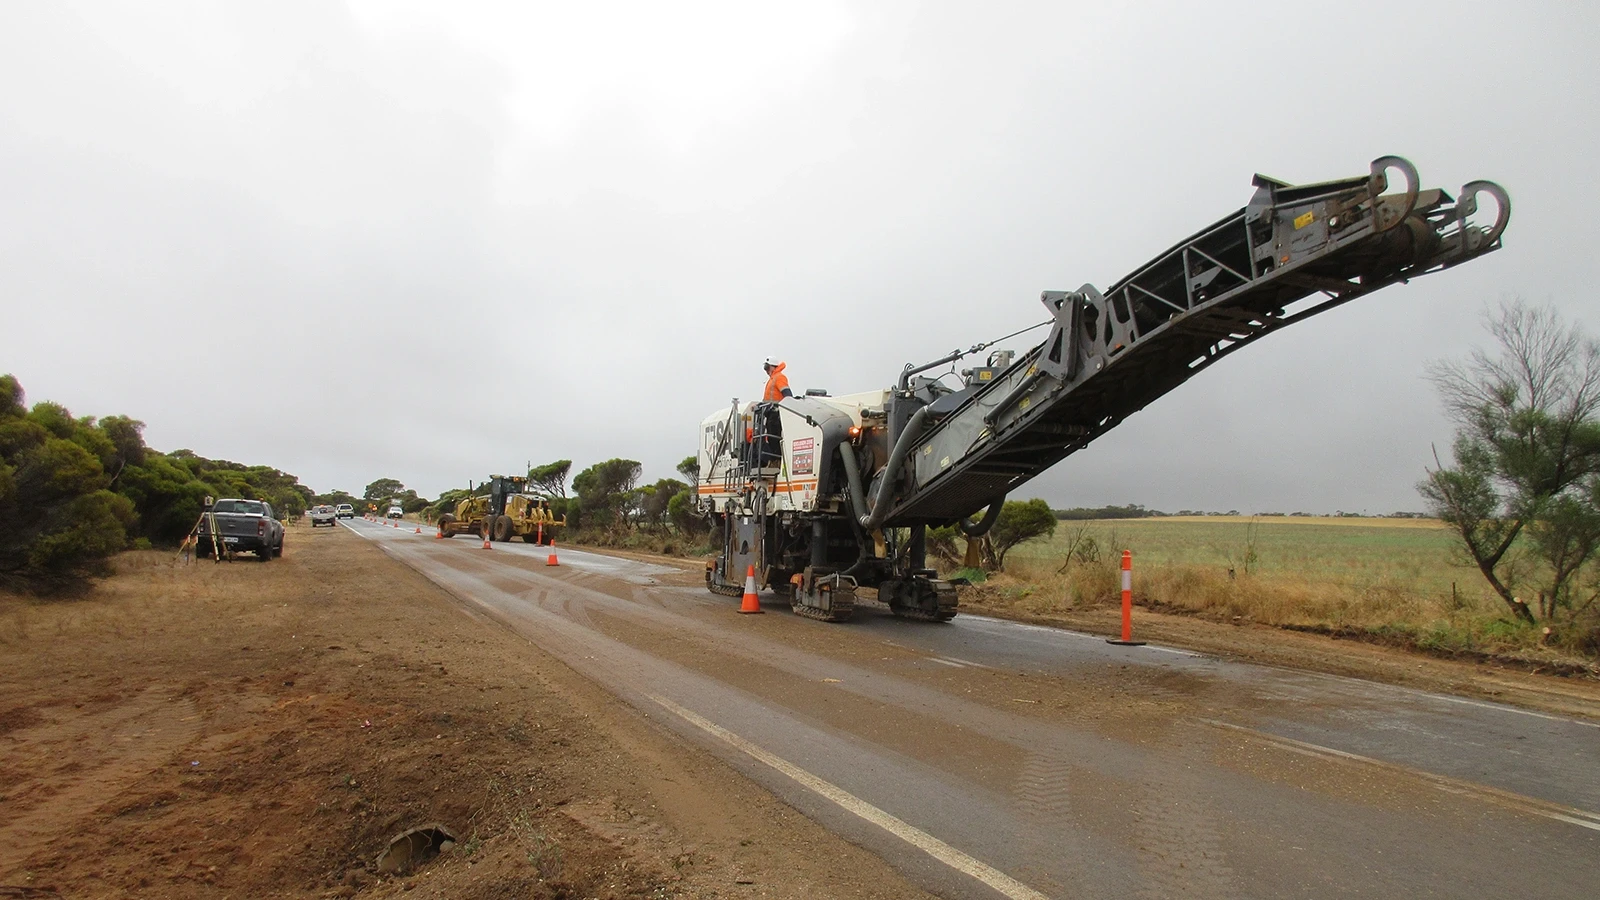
[434, 241]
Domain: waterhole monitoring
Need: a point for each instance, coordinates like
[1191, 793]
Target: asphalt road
[986, 758]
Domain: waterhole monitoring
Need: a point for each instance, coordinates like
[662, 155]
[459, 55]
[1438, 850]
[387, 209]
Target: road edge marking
[1508, 799]
[927, 843]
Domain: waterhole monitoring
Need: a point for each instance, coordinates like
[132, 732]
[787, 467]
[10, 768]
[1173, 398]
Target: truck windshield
[244, 507]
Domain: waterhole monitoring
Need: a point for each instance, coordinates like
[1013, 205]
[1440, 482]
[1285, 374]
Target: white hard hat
[770, 361]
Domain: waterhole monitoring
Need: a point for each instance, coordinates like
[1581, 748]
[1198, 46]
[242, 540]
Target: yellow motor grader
[505, 512]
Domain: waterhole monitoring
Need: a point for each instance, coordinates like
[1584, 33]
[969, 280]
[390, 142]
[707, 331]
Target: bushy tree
[382, 489]
[1020, 521]
[1525, 472]
[550, 479]
[167, 495]
[653, 506]
[59, 521]
[684, 517]
[446, 503]
[334, 498]
[604, 491]
[689, 468]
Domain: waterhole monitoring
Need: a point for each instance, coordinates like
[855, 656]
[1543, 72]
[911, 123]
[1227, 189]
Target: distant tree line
[76, 490]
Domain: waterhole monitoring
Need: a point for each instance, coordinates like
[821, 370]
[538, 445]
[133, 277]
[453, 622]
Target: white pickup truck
[323, 515]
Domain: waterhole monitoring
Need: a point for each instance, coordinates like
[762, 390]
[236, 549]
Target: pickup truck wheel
[264, 554]
[502, 528]
[278, 550]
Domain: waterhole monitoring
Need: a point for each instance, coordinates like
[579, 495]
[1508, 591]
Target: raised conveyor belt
[1293, 252]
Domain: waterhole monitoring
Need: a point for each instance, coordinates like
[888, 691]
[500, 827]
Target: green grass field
[1413, 556]
[1399, 580]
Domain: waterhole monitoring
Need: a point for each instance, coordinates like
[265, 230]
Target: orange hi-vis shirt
[776, 383]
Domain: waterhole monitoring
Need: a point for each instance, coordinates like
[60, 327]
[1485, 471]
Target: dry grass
[1392, 585]
[122, 615]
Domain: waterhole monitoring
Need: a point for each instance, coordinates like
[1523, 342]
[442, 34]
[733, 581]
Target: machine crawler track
[923, 615]
[844, 606]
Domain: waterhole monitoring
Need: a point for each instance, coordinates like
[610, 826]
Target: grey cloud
[430, 288]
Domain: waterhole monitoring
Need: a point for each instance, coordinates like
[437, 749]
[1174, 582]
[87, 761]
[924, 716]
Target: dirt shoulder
[1560, 693]
[264, 729]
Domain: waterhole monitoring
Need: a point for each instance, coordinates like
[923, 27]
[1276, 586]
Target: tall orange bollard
[751, 602]
[551, 559]
[1127, 604]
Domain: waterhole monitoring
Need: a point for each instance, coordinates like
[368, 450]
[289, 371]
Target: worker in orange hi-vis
[768, 446]
[777, 382]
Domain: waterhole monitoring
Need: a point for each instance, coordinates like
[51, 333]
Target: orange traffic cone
[751, 603]
[486, 540]
[419, 529]
[439, 535]
[551, 561]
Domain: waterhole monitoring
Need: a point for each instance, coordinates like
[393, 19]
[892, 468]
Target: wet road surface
[986, 758]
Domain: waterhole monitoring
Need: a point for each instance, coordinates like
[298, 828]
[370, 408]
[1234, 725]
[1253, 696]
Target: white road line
[947, 662]
[1497, 707]
[923, 841]
[1481, 704]
[1570, 815]
[1000, 625]
[1008, 625]
[1174, 651]
[966, 662]
[1003, 624]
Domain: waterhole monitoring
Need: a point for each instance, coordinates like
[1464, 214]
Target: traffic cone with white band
[751, 602]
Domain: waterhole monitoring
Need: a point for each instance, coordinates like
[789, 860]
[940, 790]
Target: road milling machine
[825, 495]
[505, 512]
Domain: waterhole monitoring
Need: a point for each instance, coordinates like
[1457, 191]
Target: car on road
[240, 525]
[324, 515]
[395, 512]
[346, 511]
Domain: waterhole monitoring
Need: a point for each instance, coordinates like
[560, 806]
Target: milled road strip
[927, 843]
[1518, 802]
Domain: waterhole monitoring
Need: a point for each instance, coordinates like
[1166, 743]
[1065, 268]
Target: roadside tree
[1523, 492]
[605, 491]
[551, 478]
[382, 490]
[59, 521]
[682, 514]
[690, 470]
[656, 502]
[1020, 521]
